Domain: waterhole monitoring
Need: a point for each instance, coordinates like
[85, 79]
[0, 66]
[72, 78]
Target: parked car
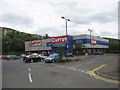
[3, 57]
[53, 58]
[98, 53]
[14, 57]
[32, 58]
[23, 55]
[26, 57]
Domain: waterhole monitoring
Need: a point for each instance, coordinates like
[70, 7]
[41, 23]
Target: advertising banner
[35, 43]
[60, 39]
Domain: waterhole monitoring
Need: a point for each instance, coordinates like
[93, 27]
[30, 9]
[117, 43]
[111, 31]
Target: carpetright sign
[35, 43]
[60, 39]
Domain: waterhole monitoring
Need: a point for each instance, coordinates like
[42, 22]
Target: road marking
[68, 67]
[76, 65]
[30, 78]
[82, 71]
[29, 69]
[90, 62]
[75, 69]
[92, 73]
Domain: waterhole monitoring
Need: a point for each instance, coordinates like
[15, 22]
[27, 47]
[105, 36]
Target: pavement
[108, 72]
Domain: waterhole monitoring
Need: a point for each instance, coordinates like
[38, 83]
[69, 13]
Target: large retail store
[47, 46]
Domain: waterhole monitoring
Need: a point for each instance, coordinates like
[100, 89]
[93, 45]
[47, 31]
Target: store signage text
[35, 43]
[60, 39]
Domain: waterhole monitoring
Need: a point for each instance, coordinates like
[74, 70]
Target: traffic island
[63, 61]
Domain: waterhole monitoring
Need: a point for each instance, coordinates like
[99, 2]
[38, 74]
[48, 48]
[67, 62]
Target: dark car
[12, 57]
[26, 57]
[98, 53]
[32, 58]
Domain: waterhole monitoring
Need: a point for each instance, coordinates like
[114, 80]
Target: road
[17, 74]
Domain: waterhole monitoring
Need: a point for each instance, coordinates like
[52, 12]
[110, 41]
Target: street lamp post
[66, 19]
[90, 39]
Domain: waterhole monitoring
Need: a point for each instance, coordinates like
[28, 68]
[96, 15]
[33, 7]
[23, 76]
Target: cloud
[17, 19]
[41, 17]
[83, 13]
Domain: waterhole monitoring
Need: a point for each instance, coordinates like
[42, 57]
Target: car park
[53, 58]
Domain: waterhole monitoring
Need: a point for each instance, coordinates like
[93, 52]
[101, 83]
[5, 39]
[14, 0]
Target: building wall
[100, 42]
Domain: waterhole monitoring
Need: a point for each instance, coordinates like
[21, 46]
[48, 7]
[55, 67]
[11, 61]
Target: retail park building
[47, 46]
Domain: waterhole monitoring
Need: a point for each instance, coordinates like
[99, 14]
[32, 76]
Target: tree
[114, 46]
[14, 42]
[78, 48]
[61, 50]
[46, 36]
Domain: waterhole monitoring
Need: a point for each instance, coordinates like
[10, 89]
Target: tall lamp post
[90, 39]
[66, 19]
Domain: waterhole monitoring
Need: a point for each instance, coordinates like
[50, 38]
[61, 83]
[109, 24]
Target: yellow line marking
[92, 73]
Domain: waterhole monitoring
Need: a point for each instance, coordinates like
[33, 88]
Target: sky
[44, 16]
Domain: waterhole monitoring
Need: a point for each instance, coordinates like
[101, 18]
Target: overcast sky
[44, 16]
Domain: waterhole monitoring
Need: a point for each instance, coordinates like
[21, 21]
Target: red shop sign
[60, 39]
[35, 43]
[93, 41]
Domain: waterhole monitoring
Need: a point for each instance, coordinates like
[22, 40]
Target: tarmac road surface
[17, 74]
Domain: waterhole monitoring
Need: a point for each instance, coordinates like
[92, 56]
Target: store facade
[47, 46]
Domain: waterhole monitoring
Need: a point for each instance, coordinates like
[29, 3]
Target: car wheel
[31, 61]
[45, 61]
[53, 61]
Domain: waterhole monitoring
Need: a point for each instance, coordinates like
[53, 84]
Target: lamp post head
[63, 17]
[68, 19]
[89, 30]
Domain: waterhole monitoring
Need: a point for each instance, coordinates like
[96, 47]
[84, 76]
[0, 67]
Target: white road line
[90, 62]
[75, 69]
[30, 78]
[29, 69]
[68, 67]
[83, 71]
[77, 65]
